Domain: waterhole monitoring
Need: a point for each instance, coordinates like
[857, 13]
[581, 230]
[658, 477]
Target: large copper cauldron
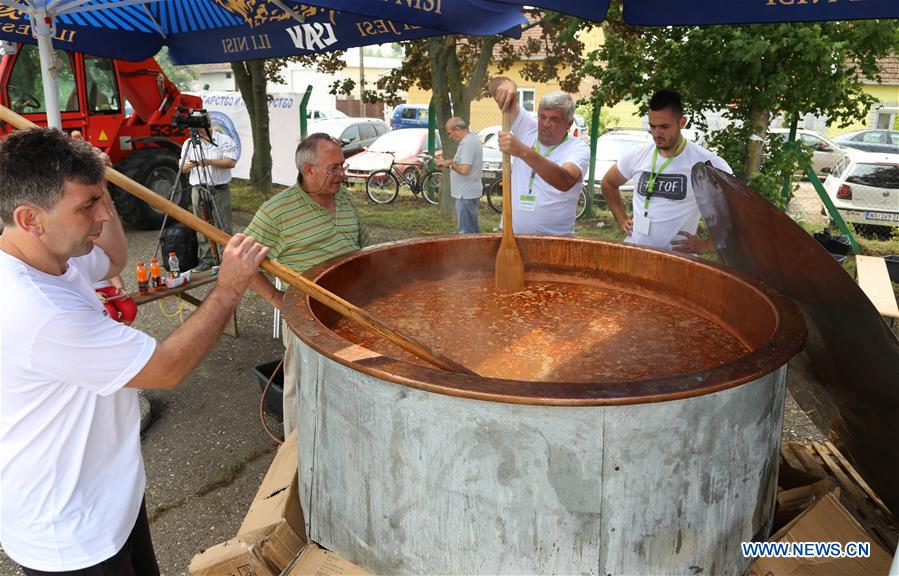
[408, 469]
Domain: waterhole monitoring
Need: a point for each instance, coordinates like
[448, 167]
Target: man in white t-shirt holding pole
[548, 164]
[72, 476]
[665, 213]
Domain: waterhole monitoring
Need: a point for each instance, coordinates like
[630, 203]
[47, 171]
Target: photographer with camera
[209, 162]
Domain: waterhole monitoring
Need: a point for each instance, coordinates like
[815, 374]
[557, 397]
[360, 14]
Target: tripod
[202, 192]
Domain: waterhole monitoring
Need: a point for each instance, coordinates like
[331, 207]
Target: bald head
[456, 128]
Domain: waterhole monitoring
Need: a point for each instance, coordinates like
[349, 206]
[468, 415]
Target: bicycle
[494, 192]
[383, 186]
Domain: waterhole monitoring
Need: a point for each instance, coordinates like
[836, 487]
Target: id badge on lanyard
[528, 202]
[642, 222]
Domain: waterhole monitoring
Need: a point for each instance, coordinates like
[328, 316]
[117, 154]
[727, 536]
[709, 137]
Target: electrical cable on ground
[262, 403]
[179, 311]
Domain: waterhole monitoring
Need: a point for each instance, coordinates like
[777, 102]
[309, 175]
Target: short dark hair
[35, 165]
[667, 99]
[307, 151]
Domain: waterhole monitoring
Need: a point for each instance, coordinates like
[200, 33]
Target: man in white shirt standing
[72, 477]
[665, 213]
[548, 164]
[209, 163]
[466, 172]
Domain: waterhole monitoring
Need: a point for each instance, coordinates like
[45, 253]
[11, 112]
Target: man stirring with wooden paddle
[549, 164]
[71, 473]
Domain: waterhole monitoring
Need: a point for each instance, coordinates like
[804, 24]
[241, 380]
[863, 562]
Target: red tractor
[123, 108]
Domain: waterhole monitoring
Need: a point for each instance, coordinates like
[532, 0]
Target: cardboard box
[316, 561]
[797, 491]
[240, 556]
[273, 531]
[826, 521]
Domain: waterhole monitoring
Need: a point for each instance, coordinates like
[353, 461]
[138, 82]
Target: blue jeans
[467, 215]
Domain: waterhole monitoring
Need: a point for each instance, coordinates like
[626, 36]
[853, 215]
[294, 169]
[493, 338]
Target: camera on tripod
[194, 118]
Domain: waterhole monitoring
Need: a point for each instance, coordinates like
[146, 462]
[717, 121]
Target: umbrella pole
[43, 31]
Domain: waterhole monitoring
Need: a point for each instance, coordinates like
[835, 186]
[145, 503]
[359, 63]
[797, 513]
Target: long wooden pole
[299, 282]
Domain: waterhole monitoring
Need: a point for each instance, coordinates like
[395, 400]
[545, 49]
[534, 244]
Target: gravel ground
[205, 450]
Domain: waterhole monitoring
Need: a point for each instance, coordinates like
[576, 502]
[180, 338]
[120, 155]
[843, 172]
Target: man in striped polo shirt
[310, 222]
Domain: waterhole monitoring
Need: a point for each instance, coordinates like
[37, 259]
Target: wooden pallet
[823, 459]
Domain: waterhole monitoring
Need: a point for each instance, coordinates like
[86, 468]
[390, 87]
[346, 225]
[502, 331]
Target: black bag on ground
[183, 242]
[833, 244]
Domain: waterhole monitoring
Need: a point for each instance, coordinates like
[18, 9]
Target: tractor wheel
[157, 169]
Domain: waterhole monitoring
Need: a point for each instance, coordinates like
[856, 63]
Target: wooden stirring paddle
[509, 267]
[304, 285]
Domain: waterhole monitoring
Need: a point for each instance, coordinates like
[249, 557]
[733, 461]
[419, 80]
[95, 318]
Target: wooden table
[197, 279]
[874, 280]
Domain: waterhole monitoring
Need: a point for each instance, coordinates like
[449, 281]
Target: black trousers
[136, 558]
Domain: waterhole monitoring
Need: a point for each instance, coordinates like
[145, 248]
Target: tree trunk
[251, 81]
[439, 50]
[755, 148]
[447, 83]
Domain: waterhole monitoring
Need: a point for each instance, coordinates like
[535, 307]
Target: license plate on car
[893, 216]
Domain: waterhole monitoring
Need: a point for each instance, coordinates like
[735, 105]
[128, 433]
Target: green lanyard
[544, 154]
[650, 187]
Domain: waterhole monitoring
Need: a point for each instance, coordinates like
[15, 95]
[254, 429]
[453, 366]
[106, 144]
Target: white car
[864, 188]
[323, 114]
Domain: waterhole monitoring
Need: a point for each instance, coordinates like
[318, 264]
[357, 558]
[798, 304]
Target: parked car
[354, 134]
[825, 152]
[404, 145]
[409, 116]
[864, 187]
[323, 114]
[886, 141]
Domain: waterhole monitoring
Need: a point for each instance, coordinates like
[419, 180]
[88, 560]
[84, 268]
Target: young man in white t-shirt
[665, 213]
[548, 164]
[71, 473]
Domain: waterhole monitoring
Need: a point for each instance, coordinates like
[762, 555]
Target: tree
[752, 73]
[184, 77]
[454, 67]
[252, 77]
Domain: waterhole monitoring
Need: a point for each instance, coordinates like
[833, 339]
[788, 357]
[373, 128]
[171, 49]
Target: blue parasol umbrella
[233, 30]
[705, 12]
[223, 30]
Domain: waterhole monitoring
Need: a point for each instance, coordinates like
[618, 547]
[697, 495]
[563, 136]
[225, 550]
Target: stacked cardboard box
[272, 539]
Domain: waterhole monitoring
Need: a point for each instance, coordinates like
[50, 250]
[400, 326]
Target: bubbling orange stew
[551, 331]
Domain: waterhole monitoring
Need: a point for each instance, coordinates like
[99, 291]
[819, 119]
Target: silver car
[825, 152]
[886, 141]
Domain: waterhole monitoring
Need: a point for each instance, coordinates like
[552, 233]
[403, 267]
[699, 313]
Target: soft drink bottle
[155, 276]
[143, 279]
[174, 266]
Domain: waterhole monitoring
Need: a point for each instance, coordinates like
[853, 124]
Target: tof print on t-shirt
[670, 186]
